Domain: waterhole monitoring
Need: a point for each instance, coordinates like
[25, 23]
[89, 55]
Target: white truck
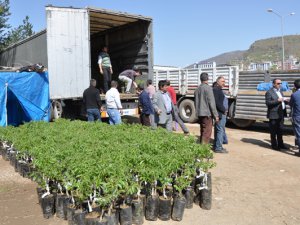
[69, 48]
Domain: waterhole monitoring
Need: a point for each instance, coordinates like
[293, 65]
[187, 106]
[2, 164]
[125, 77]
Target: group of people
[211, 106]
[159, 108]
[276, 103]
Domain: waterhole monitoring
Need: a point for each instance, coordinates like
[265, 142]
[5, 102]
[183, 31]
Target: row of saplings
[160, 199]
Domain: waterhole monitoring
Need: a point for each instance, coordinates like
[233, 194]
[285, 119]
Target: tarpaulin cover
[24, 97]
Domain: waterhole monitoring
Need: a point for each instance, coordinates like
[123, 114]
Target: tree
[4, 14]
[9, 36]
[21, 32]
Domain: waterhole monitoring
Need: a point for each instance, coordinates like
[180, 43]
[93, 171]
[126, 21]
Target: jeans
[296, 126]
[219, 133]
[93, 114]
[128, 81]
[114, 116]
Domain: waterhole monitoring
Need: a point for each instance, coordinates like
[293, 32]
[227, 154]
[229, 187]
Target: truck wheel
[242, 123]
[187, 111]
[56, 110]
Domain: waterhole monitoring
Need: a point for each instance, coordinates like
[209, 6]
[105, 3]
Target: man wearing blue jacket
[220, 126]
[146, 106]
[295, 108]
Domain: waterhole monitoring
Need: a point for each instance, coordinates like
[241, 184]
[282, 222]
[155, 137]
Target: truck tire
[56, 110]
[187, 111]
[242, 123]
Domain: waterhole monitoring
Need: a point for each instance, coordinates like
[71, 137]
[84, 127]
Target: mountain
[260, 51]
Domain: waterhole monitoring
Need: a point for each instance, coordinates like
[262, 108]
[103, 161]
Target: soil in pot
[137, 211]
[152, 207]
[164, 208]
[178, 207]
[48, 206]
[125, 215]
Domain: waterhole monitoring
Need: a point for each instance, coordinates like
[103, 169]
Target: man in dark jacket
[92, 102]
[295, 109]
[146, 106]
[276, 104]
[220, 126]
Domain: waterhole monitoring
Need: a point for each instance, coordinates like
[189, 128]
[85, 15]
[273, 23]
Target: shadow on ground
[266, 144]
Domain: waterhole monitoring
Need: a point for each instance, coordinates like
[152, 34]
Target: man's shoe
[297, 154]
[283, 147]
[221, 151]
[276, 148]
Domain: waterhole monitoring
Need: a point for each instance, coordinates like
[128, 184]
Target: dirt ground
[251, 185]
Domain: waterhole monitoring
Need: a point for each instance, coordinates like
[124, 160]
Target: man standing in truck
[105, 67]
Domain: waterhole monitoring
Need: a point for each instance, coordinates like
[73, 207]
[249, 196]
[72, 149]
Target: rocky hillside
[261, 50]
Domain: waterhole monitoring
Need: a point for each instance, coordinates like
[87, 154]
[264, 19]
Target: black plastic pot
[197, 183]
[78, 218]
[66, 203]
[178, 208]
[189, 196]
[102, 222]
[40, 191]
[125, 215]
[70, 213]
[25, 170]
[13, 158]
[92, 218]
[48, 206]
[206, 194]
[164, 209]
[137, 211]
[111, 219]
[59, 205]
[152, 207]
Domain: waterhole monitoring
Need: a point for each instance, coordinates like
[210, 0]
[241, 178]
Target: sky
[187, 31]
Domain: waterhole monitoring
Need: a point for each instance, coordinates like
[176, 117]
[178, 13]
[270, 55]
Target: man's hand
[111, 71]
[217, 119]
[280, 99]
[159, 112]
[101, 71]
[101, 109]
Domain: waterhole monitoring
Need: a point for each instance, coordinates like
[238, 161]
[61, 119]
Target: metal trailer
[186, 81]
[246, 104]
[250, 104]
[70, 45]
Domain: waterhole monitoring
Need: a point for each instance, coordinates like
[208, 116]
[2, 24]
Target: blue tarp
[267, 86]
[24, 97]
